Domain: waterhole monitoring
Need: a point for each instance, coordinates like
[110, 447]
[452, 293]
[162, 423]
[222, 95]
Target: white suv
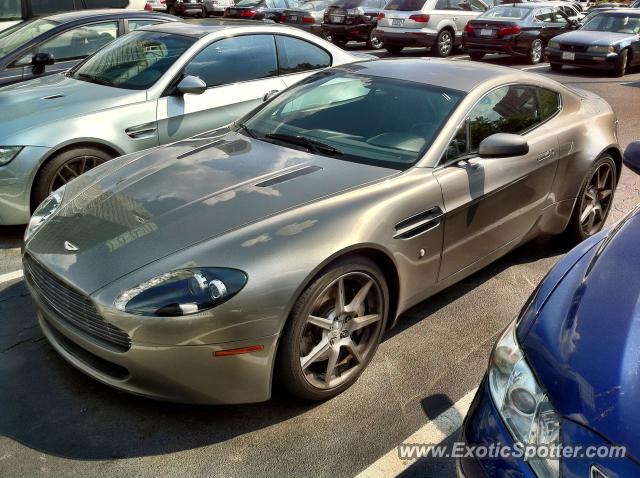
[432, 23]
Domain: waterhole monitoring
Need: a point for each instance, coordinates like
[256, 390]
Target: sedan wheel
[374, 42]
[334, 330]
[536, 52]
[444, 44]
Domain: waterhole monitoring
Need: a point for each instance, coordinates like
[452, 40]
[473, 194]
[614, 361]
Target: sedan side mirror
[40, 61]
[191, 85]
[503, 145]
[631, 157]
[269, 94]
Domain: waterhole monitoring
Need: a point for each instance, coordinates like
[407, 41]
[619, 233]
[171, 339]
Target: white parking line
[11, 276]
[544, 65]
[432, 432]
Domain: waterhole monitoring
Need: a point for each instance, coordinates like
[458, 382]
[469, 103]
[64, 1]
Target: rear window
[355, 3]
[405, 5]
[513, 13]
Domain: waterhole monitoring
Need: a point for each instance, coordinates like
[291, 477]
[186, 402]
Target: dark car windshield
[512, 13]
[23, 33]
[373, 120]
[354, 3]
[614, 22]
[135, 61]
[405, 5]
[249, 3]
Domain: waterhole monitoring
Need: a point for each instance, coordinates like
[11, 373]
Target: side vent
[288, 176]
[419, 224]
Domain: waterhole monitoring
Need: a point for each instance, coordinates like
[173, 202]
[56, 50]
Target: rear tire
[374, 42]
[536, 52]
[555, 66]
[620, 67]
[476, 55]
[443, 45]
[393, 49]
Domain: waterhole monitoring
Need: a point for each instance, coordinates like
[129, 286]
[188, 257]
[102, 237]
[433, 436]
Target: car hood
[592, 38]
[54, 98]
[179, 195]
[585, 342]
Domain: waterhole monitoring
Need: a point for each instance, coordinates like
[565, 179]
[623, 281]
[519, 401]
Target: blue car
[566, 373]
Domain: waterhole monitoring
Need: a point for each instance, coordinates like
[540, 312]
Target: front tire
[443, 45]
[64, 167]
[620, 66]
[334, 330]
[594, 200]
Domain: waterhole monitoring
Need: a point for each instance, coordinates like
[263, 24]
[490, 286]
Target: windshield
[513, 13]
[248, 3]
[353, 3]
[405, 5]
[23, 33]
[135, 61]
[10, 10]
[373, 120]
[615, 23]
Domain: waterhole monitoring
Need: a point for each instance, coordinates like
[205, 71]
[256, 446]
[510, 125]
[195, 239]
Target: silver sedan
[284, 247]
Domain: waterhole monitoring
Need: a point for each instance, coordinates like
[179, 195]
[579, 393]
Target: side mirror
[269, 94]
[40, 61]
[191, 85]
[631, 157]
[503, 145]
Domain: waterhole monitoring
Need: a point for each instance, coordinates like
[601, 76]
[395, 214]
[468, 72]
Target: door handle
[546, 155]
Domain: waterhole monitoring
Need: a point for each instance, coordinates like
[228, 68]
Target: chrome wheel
[342, 330]
[596, 200]
[445, 43]
[374, 41]
[72, 169]
[536, 52]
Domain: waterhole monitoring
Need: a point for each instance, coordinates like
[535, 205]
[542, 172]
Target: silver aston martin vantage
[284, 247]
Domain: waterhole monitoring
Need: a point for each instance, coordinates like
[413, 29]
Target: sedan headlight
[553, 44]
[522, 404]
[182, 292]
[601, 49]
[7, 153]
[48, 207]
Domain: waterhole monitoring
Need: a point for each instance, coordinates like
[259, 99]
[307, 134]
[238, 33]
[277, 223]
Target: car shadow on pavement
[49, 406]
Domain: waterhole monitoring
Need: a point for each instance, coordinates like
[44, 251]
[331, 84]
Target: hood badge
[70, 247]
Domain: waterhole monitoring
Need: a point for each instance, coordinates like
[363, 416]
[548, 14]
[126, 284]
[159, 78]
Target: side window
[559, 16]
[550, 103]
[41, 7]
[80, 42]
[476, 6]
[448, 5]
[295, 55]
[243, 58]
[544, 15]
[135, 24]
[279, 4]
[458, 148]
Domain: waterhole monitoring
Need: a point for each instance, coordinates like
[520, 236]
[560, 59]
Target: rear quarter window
[550, 103]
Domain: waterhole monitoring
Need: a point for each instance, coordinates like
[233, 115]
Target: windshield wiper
[94, 79]
[243, 127]
[310, 144]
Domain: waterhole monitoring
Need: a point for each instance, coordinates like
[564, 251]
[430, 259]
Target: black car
[307, 16]
[260, 9]
[521, 29]
[46, 45]
[353, 20]
[193, 8]
[610, 41]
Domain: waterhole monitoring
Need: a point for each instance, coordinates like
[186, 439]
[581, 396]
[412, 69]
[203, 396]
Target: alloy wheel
[445, 43]
[536, 51]
[596, 200]
[72, 169]
[375, 42]
[341, 330]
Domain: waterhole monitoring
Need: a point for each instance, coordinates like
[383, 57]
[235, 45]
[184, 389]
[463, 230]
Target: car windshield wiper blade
[243, 127]
[311, 144]
[94, 79]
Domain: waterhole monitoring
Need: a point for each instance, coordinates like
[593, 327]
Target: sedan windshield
[373, 120]
[614, 23]
[135, 61]
[23, 33]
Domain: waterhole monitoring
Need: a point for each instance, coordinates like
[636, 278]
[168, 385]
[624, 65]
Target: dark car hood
[585, 344]
[179, 195]
[585, 37]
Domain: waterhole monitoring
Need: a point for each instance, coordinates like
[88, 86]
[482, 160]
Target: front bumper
[484, 426]
[177, 373]
[604, 61]
[414, 37]
[359, 32]
[16, 180]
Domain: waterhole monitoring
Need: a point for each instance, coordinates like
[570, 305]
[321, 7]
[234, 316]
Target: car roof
[75, 15]
[204, 27]
[532, 5]
[456, 75]
[623, 11]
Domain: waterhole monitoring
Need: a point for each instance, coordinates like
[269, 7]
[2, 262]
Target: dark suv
[353, 20]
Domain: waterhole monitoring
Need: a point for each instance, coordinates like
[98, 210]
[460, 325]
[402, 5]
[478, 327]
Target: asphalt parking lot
[55, 421]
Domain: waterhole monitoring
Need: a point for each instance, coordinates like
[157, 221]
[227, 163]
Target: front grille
[73, 308]
[566, 47]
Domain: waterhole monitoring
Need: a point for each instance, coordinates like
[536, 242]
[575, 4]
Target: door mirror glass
[631, 157]
[191, 85]
[40, 61]
[503, 145]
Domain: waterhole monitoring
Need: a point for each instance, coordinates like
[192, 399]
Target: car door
[299, 58]
[238, 72]
[71, 46]
[492, 203]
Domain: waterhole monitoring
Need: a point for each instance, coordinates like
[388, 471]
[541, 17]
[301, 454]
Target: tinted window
[453, 5]
[80, 42]
[10, 10]
[560, 17]
[549, 103]
[544, 15]
[23, 33]
[405, 5]
[477, 6]
[279, 4]
[616, 22]
[507, 12]
[134, 61]
[135, 24]
[242, 58]
[297, 55]
[41, 7]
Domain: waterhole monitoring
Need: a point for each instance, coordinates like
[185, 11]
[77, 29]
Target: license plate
[337, 18]
[486, 32]
[293, 18]
[568, 55]
[397, 22]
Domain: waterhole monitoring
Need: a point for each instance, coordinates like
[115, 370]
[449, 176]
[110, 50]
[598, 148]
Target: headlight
[553, 44]
[7, 153]
[48, 207]
[522, 404]
[182, 292]
[601, 49]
